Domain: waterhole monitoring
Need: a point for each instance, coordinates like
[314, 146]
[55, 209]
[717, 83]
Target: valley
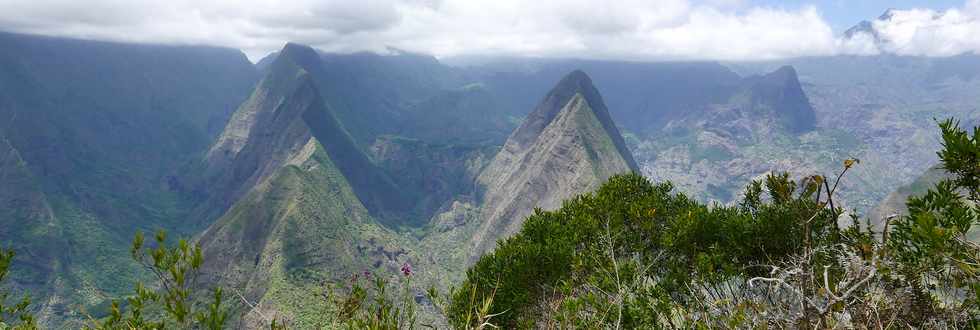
[310, 167]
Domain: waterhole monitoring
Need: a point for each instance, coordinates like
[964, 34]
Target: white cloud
[925, 32]
[627, 29]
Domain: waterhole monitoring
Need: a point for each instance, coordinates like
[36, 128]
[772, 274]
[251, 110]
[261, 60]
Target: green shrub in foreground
[637, 255]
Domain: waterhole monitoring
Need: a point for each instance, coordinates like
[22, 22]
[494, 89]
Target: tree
[176, 269]
[14, 316]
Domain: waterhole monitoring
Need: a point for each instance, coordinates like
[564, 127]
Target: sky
[645, 30]
[842, 14]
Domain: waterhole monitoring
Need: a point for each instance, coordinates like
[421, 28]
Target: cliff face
[567, 146]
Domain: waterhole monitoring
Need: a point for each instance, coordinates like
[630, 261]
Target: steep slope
[779, 95]
[25, 213]
[368, 92]
[568, 145]
[284, 112]
[297, 214]
[96, 134]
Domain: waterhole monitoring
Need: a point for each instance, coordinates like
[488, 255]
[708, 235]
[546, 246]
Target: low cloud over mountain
[919, 32]
[631, 30]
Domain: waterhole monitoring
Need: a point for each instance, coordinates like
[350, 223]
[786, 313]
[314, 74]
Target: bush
[172, 304]
[637, 255]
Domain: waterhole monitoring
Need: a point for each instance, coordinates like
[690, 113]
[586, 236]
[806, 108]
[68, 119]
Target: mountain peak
[861, 27]
[782, 92]
[887, 15]
[574, 83]
[785, 73]
[300, 54]
[567, 145]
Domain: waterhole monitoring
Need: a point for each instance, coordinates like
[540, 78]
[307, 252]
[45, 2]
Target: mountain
[779, 95]
[94, 137]
[304, 203]
[262, 135]
[867, 28]
[263, 64]
[340, 163]
[27, 223]
[301, 204]
[880, 109]
[713, 150]
[642, 97]
[567, 145]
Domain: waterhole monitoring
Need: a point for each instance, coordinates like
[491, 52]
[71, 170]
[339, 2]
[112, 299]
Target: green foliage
[637, 255]
[14, 316]
[961, 156]
[377, 307]
[175, 269]
[557, 252]
[931, 242]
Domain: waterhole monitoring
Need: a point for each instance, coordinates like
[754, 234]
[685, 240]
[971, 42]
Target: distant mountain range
[308, 167]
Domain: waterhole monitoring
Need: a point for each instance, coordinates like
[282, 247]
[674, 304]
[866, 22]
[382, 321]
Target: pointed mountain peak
[302, 55]
[575, 83]
[568, 145]
[786, 72]
[887, 15]
[784, 77]
[781, 92]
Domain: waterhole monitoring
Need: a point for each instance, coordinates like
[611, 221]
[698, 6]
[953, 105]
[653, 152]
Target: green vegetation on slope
[99, 131]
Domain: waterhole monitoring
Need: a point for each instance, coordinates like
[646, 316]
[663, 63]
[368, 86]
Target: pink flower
[407, 269]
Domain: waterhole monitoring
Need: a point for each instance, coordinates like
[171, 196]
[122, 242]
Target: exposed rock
[567, 146]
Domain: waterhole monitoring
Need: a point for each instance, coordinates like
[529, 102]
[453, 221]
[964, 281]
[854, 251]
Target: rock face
[567, 146]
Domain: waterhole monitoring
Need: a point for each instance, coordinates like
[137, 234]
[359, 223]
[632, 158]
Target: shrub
[635, 254]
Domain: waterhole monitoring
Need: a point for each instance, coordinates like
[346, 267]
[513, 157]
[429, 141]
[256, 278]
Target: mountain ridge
[562, 148]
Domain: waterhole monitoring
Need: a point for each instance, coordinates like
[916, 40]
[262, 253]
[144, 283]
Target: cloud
[926, 32]
[627, 29]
